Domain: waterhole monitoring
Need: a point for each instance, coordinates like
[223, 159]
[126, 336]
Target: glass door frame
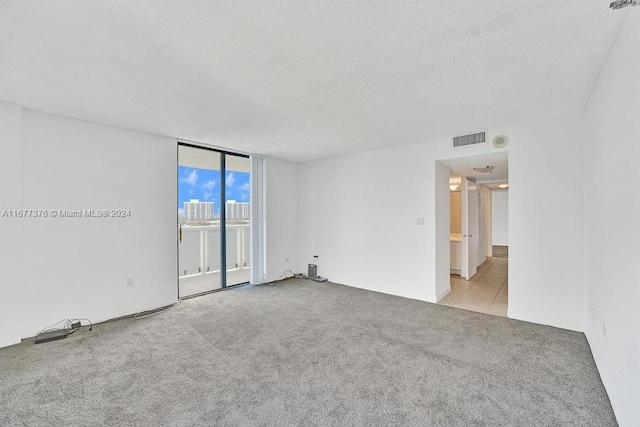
[223, 216]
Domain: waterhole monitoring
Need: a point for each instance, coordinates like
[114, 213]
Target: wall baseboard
[443, 294]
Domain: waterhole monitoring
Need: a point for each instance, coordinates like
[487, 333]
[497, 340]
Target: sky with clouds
[204, 185]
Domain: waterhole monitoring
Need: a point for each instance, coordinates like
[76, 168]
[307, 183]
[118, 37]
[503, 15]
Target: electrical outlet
[129, 281]
[420, 220]
[281, 274]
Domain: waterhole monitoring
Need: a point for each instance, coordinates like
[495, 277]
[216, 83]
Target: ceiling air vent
[474, 138]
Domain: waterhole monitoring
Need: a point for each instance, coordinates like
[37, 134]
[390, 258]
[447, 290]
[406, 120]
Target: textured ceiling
[304, 79]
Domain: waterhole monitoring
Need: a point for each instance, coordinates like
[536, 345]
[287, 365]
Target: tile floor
[486, 292]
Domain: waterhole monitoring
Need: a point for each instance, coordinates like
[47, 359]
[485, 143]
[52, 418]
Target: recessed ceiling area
[464, 166]
[304, 80]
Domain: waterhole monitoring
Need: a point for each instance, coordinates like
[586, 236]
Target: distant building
[197, 210]
[237, 210]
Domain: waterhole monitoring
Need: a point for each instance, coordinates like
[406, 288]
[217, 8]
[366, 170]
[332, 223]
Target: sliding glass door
[237, 219]
[213, 220]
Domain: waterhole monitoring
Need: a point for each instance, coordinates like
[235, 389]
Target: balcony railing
[199, 252]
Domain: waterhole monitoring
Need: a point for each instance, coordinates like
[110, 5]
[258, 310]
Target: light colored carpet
[305, 353]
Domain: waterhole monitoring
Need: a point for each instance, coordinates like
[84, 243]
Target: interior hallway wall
[441, 226]
[456, 212]
[482, 223]
[500, 218]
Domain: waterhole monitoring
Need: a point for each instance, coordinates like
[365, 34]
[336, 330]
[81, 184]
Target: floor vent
[471, 139]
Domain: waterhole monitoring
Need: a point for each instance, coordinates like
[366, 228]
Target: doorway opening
[478, 233]
[214, 219]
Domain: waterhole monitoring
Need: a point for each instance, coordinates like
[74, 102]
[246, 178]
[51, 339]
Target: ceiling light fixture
[454, 187]
[503, 185]
[620, 4]
[486, 169]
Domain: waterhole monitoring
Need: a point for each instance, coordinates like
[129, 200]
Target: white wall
[359, 211]
[612, 222]
[546, 222]
[78, 267]
[441, 228]
[282, 218]
[10, 243]
[485, 199]
[500, 218]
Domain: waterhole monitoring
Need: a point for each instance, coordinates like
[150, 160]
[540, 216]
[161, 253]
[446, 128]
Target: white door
[470, 238]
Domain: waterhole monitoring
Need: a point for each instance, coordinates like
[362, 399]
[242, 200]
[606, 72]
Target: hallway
[486, 292]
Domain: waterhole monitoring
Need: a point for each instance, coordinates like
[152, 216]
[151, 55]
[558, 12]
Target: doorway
[478, 281]
[214, 218]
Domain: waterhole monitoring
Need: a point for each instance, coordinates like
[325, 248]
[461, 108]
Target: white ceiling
[304, 80]
[464, 167]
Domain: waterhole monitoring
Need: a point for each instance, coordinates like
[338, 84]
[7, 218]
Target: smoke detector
[485, 169]
[500, 141]
[620, 4]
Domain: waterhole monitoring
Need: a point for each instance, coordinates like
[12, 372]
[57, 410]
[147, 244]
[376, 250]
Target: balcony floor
[210, 281]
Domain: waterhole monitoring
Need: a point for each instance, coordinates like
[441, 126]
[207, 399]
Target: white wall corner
[281, 214]
[442, 232]
[11, 277]
[443, 293]
[612, 132]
